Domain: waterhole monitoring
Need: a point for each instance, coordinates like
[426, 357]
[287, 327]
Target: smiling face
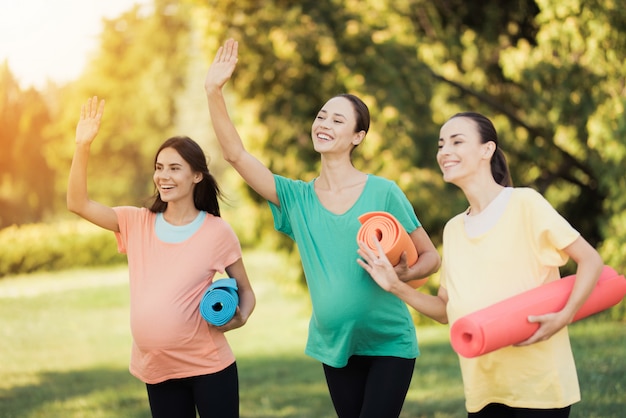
[333, 129]
[173, 176]
[462, 154]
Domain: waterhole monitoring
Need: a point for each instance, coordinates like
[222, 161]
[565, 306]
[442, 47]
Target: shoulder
[526, 193]
[454, 222]
[380, 181]
[218, 223]
[285, 183]
[527, 197]
[381, 184]
[133, 212]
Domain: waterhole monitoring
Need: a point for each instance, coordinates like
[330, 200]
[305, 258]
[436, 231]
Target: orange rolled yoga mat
[506, 323]
[392, 236]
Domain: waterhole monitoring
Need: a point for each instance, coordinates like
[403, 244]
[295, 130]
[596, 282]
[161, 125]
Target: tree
[550, 74]
[26, 180]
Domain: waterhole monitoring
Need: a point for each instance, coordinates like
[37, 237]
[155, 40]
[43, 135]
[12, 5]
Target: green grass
[65, 344]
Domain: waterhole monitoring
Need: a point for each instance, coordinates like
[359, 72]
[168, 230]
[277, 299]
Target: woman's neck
[480, 195]
[336, 175]
[177, 214]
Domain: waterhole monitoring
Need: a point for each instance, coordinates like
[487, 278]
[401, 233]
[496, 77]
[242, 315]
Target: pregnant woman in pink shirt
[174, 249]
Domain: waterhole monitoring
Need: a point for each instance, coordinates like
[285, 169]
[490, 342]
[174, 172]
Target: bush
[49, 247]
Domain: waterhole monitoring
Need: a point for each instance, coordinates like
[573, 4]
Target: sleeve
[281, 213]
[550, 231]
[124, 213]
[231, 250]
[399, 206]
[443, 278]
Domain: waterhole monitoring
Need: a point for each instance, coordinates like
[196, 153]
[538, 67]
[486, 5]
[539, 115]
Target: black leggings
[369, 387]
[497, 410]
[215, 395]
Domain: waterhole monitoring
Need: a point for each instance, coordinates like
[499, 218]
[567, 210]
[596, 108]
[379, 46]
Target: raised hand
[223, 66]
[89, 123]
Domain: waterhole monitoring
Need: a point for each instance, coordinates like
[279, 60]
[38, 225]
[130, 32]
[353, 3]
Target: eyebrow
[334, 114]
[453, 136]
[171, 164]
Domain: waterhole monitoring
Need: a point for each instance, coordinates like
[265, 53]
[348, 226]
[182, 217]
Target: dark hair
[361, 110]
[206, 193]
[487, 132]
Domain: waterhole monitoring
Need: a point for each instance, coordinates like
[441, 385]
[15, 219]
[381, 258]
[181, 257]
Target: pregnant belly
[161, 324]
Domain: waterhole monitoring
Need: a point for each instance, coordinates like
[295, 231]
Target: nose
[163, 174]
[443, 148]
[325, 124]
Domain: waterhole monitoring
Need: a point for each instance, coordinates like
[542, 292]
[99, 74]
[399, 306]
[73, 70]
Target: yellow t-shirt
[521, 251]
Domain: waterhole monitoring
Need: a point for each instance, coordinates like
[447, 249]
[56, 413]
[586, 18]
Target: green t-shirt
[351, 313]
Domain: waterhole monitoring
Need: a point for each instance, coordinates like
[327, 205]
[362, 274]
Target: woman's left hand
[237, 321]
[549, 324]
[377, 265]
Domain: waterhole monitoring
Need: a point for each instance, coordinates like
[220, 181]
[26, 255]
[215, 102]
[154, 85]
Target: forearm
[433, 307]
[587, 274]
[427, 263]
[247, 302]
[225, 131]
[77, 195]
[589, 266]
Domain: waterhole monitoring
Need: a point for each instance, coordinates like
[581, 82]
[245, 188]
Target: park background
[551, 74]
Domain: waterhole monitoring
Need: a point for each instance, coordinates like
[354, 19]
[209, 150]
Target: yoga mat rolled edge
[219, 302]
[393, 238]
[506, 323]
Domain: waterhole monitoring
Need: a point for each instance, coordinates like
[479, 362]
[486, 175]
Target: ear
[488, 149]
[197, 178]
[358, 138]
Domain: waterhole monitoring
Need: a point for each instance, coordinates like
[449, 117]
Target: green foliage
[48, 247]
[550, 74]
[25, 192]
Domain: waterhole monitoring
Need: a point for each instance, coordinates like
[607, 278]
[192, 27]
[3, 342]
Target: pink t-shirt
[167, 281]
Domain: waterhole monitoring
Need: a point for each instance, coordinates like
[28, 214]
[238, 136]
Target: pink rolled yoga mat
[506, 323]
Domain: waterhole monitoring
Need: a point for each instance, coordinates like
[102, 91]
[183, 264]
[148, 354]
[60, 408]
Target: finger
[534, 318]
[218, 55]
[379, 246]
[235, 53]
[93, 106]
[100, 110]
[370, 255]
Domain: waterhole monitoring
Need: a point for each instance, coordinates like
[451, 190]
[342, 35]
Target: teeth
[324, 137]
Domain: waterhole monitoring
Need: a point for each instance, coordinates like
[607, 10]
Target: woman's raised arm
[252, 170]
[77, 195]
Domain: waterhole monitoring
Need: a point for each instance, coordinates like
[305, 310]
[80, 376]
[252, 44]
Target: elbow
[230, 159]
[74, 206]
[71, 206]
[436, 263]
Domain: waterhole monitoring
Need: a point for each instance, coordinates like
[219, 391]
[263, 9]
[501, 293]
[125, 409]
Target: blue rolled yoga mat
[219, 303]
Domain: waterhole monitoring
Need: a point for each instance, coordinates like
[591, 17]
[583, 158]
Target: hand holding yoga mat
[392, 237]
[219, 303]
[506, 322]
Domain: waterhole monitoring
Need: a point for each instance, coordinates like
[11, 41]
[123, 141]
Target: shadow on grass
[294, 386]
[289, 385]
[98, 392]
[281, 385]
